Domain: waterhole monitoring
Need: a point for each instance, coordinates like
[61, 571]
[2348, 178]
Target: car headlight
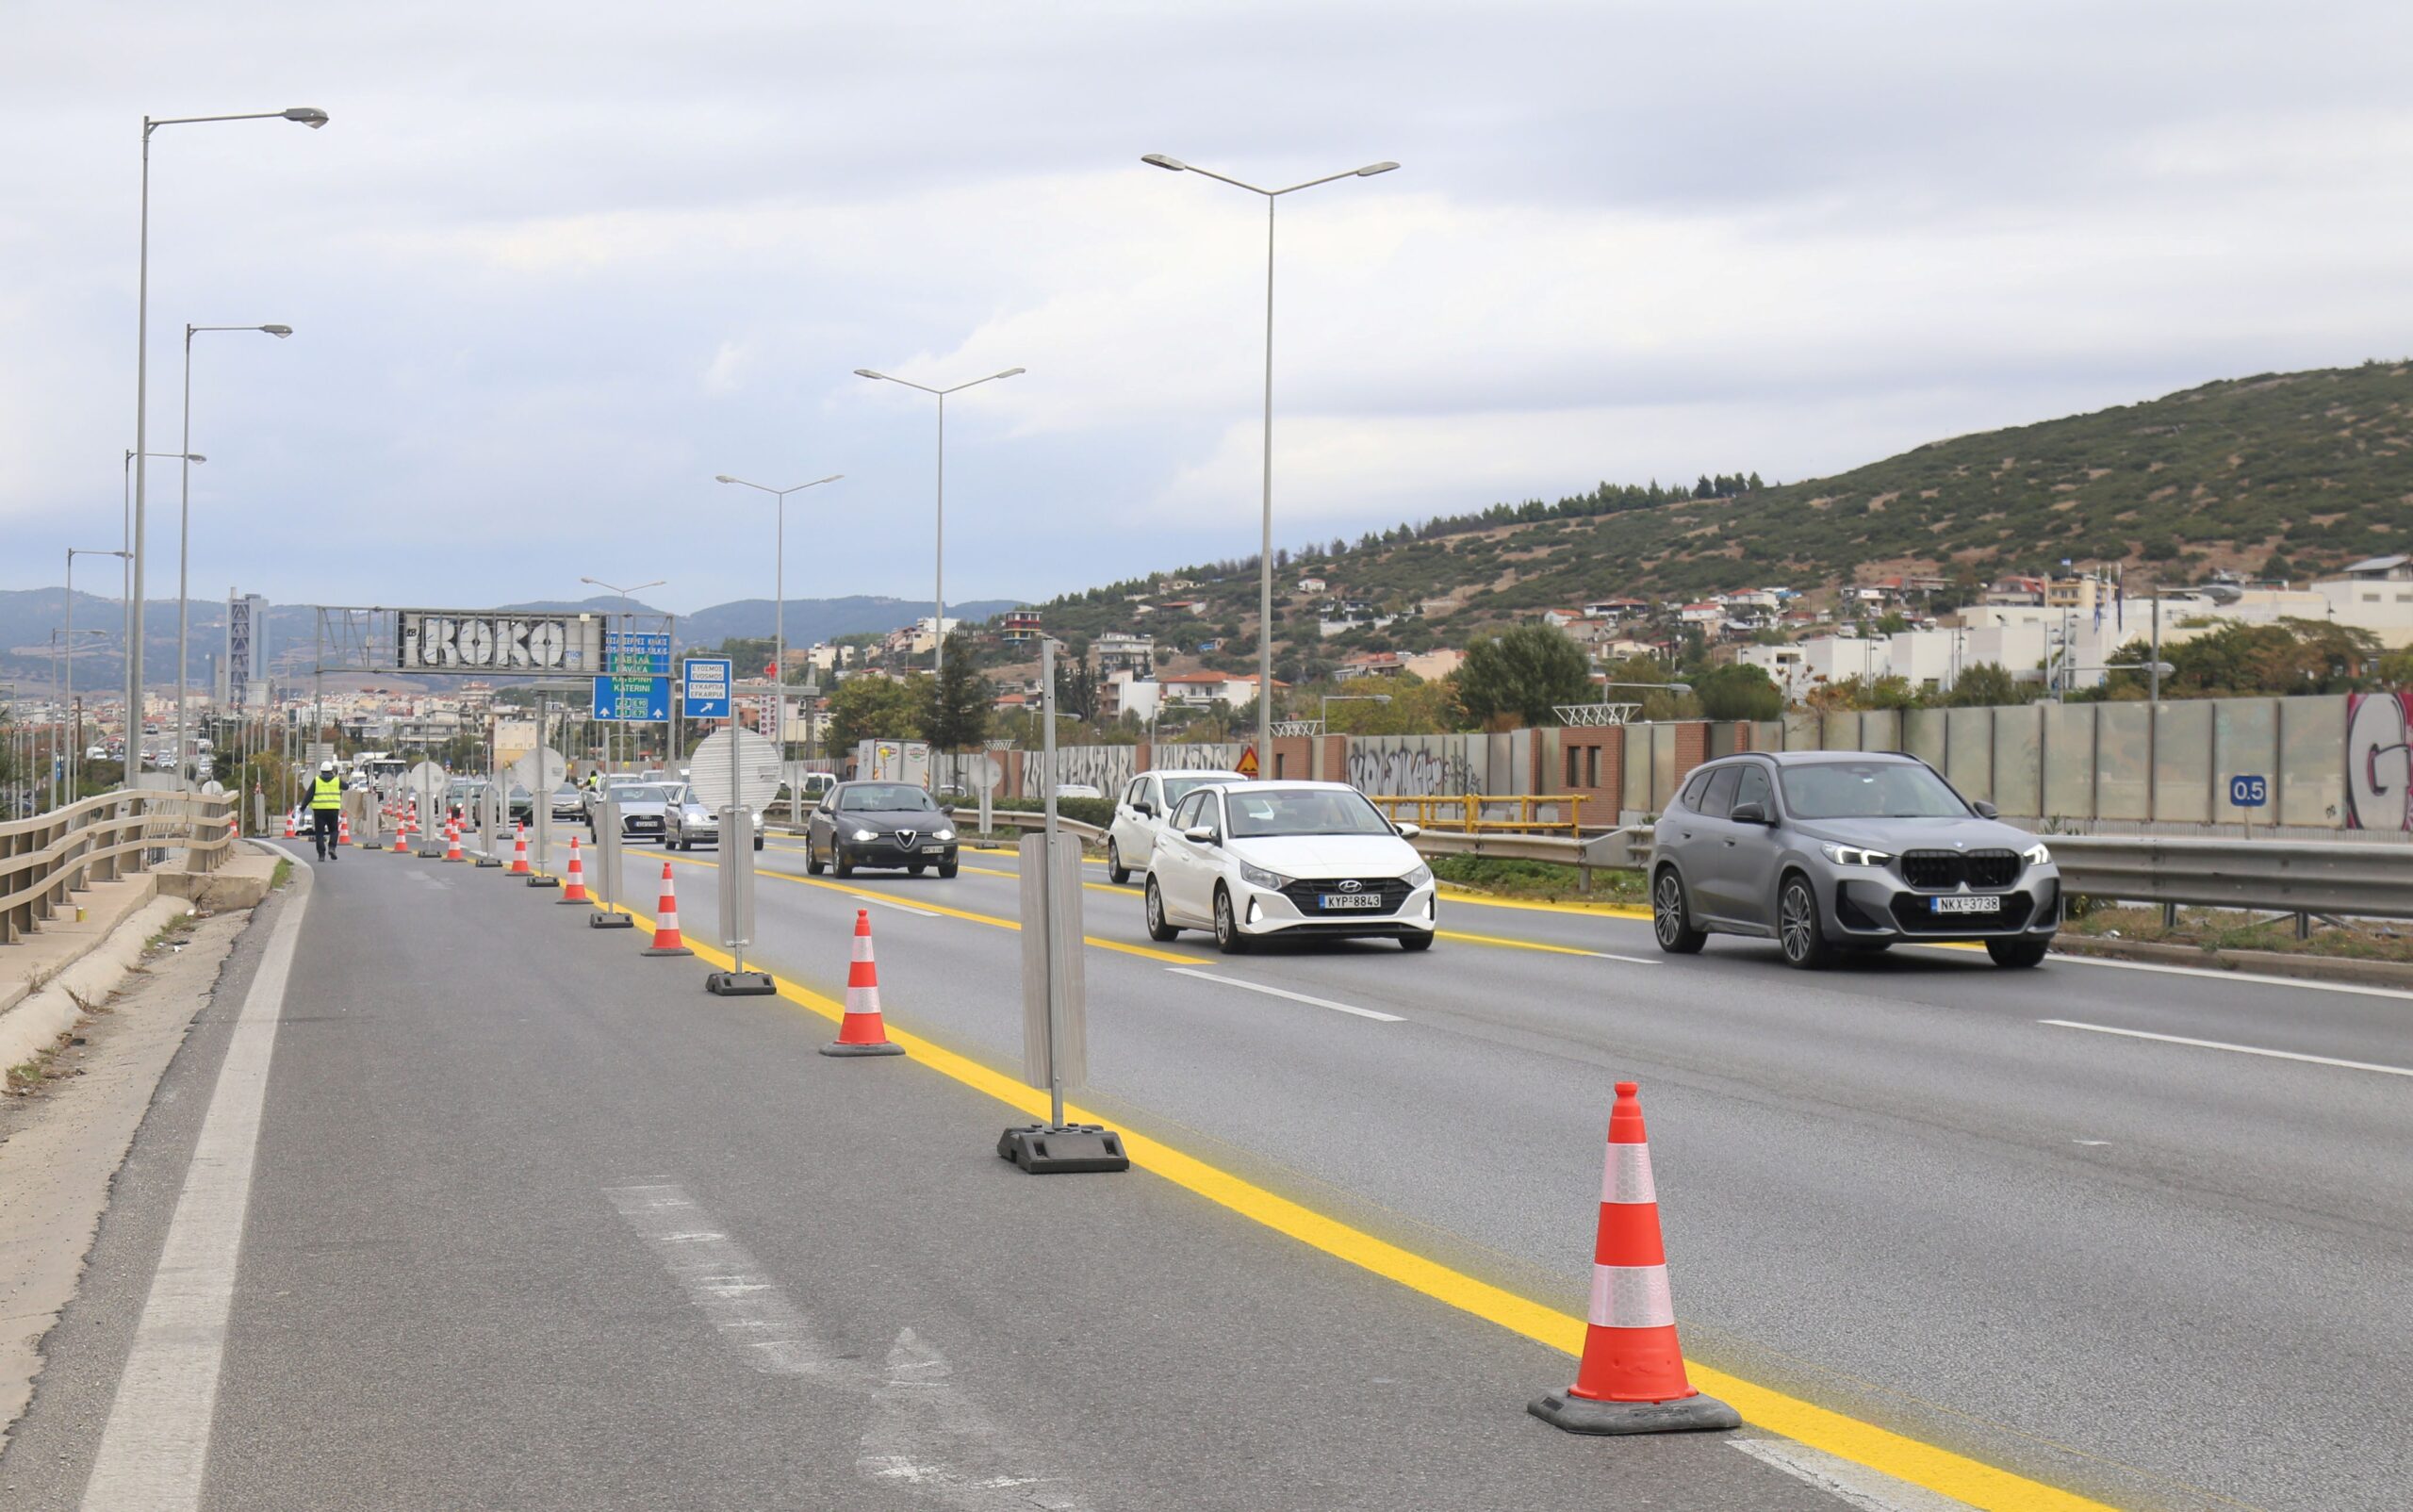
[2036, 855]
[861, 835]
[942, 834]
[1260, 877]
[1853, 855]
[1419, 876]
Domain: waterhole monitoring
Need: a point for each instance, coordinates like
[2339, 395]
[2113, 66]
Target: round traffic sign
[758, 769]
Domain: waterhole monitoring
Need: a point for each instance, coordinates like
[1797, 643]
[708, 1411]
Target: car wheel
[946, 871]
[1115, 870]
[1422, 939]
[838, 863]
[2016, 954]
[811, 858]
[1677, 936]
[1157, 929]
[1797, 931]
[1228, 938]
[757, 841]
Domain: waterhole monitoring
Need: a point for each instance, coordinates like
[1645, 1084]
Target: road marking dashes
[1282, 991]
[2234, 1049]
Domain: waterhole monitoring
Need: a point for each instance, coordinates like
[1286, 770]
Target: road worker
[326, 806]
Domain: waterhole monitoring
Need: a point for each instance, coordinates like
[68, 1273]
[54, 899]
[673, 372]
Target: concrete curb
[35, 1023]
[2258, 963]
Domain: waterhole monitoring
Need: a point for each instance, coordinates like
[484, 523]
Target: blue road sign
[632, 699]
[704, 689]
[2249, 792]
[643, 654]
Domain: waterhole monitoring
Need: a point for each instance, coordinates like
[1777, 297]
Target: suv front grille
[1914, 917]
[1307, 896]
[1941, 871]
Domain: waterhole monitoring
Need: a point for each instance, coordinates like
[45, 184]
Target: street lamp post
[1265, 586]
[307, 115]
[628, 616]
[76, 761]
[938, 605]
[780, 603]
[184, 526]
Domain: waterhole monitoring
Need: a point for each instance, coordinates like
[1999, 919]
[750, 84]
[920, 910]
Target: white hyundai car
[1140, 812]
[1251, 860]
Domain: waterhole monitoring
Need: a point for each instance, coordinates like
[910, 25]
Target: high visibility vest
[326, 793]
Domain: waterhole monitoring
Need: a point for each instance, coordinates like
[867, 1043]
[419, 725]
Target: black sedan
[879, 824]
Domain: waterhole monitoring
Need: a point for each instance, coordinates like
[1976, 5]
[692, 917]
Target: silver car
[1837, 852]
[642, 807]
[688, 822]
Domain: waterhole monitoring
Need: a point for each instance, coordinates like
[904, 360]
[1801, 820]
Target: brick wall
[1691, 748]
[1591, 765]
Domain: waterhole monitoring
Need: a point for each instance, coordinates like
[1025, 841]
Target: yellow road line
[1981, 1486]
[1613, 911]
[1503, 942]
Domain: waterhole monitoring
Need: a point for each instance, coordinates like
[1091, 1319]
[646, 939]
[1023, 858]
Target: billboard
[484, 640]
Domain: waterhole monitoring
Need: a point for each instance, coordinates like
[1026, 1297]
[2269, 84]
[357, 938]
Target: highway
[1906, 1216]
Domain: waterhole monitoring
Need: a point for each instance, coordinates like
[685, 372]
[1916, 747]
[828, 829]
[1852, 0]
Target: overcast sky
[554, 266]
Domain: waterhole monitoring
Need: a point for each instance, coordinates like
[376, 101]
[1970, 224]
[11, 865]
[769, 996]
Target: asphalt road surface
[536, 1223]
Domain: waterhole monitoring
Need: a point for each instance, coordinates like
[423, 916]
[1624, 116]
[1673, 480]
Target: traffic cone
[402, 837]
[665, 920]
[452, 843]
[291, 832]
[519, 852]
[574, 891]
[1631, 1378]
[861, 1032]
[343, 829]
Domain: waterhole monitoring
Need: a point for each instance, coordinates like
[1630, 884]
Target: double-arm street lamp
[611, 673]
[780, 603]
[184, 527]
[938, 605]
[1265, 586]
[311, 116]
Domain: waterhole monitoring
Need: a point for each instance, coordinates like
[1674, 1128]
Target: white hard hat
[328, 764]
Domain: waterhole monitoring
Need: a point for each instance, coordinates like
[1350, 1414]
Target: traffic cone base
[861, 1032]
[1632, 1377]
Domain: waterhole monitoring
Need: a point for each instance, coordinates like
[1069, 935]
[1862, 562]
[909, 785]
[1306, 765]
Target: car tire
[946, 871]
[838, 863]
[1115, 871]
[811, 858]
[1798, 932]
[2016, 955]
[1421, 940]
[1229, 937]
[1158, 929]
[1671, 919]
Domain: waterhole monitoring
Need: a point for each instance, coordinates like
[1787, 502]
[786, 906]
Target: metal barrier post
[738, 898]
[605, 883]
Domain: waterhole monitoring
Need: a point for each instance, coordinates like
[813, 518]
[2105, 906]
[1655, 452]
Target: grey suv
[1846, 851]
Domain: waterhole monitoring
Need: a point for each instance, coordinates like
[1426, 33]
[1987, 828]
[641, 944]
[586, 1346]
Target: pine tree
[956, 714]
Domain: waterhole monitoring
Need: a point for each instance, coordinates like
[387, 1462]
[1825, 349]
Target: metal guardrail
[101, 839]
[1481, 813]
[1018, 819]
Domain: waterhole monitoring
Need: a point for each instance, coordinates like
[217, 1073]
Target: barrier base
[739, 984]
[1042, 1150]
[489, 861]
[1577, 1414]
[883, 1047]
[599, 919]
[544, 881]
[429, 852]
[668, 950]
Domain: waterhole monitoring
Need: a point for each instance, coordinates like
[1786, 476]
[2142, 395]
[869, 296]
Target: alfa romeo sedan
[1839, 852]
[879, 824]
[1253, 860]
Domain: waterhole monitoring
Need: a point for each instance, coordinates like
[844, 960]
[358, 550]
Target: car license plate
[1352, 900]
[1967, 903]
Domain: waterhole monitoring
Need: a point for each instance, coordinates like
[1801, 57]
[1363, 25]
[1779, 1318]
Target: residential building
[1197, 690]
[1119, 652]
[1019, 625]
[1311, 585]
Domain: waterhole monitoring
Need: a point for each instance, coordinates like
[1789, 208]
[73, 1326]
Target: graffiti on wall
[2379, 760]
[1108, 768]
[1206, 756]
[1412, 765]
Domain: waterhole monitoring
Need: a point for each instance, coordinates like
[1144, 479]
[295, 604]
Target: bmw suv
[1838, 852]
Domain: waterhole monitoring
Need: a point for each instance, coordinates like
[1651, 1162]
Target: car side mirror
[1144, 809]
[1409, 831]
[947, 809]
[1985, 810]
[1749, 813]
[1202, 833]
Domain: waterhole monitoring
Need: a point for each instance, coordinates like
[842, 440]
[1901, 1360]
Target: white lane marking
[2238, 1049]
[2256, 978]
[1854, 1486]
[156, 1443]
[891, 903]
[1278, 992]
[723, 1281]
[926, 1432]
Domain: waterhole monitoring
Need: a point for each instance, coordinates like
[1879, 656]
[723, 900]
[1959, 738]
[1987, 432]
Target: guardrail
[1479, 813]
[1019, 819]
[101, 839]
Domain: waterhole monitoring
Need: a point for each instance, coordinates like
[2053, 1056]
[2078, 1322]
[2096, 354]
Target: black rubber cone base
[739, 984]
[883, 1047]
[575, 902]
[1580, 1414]
[544, 881]
[669, 951]
[1042, 1150]
[489, 861]
[429, 853]
[606, 919]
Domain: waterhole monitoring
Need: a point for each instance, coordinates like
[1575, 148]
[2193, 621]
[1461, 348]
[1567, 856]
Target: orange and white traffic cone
[452, 843]
[1631, 1378]
[519, 852]
[343, 829]
[402, 837]
[291, 832]
[861, 1032]
[666, 941]
[574, 889]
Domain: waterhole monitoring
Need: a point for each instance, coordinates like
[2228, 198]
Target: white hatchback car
[1248, 859]
[1139, 816]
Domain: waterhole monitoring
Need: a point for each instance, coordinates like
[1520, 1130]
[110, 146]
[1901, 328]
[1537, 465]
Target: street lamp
[184, 526]
[1264, 587]
[76, 761]
[126, 535]
[938, 606]
[307, 115]
[611, 673]
[780, 603]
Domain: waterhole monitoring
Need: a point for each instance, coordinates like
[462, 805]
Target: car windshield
[886, 798]
[1304, 811]
[1178, 787]
[640, 794]
[1869, 790]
